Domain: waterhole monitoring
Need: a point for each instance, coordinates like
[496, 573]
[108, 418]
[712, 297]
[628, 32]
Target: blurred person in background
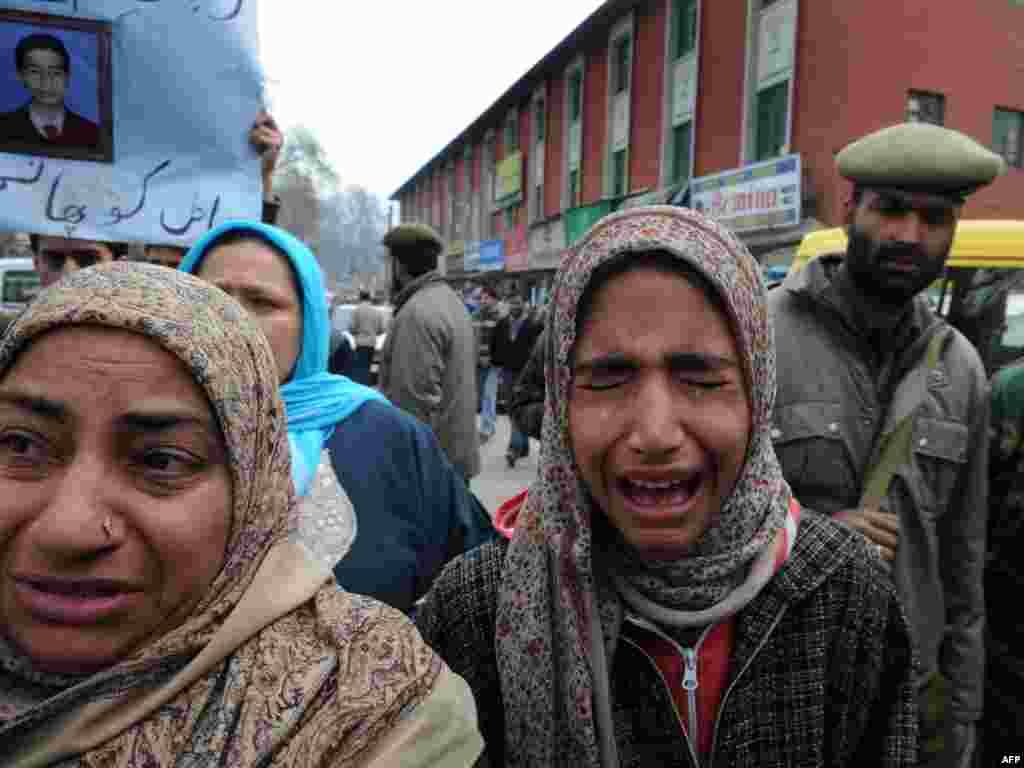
[428, 364]
[511, 345]
[490, 311]
[366, 326]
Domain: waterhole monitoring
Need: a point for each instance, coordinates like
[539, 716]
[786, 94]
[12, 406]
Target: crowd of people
[766, 528]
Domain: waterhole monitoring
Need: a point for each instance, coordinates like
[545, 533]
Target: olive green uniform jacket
[837, 396]
[428, 367]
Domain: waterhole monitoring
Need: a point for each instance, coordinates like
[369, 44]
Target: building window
[512, 134]
[924, 107]
[539, 118]
[619, 173]
[622, 51]
[572, 134]
[575, 96]
[1008, 136]
[772, 107]
[685, 29]
[681, 152]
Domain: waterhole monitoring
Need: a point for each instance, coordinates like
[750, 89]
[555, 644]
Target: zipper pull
[690, 676]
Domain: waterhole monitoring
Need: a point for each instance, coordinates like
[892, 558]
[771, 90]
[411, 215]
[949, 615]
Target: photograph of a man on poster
[51, 88]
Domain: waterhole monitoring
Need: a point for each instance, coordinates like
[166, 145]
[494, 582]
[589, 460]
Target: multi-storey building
[734, 106]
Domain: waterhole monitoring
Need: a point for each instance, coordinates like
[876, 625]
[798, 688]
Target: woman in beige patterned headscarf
[163, 599]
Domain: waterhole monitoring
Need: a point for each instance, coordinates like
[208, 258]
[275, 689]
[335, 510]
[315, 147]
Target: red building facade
[644, 98]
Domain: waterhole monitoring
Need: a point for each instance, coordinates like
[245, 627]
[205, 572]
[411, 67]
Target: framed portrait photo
[55, 87]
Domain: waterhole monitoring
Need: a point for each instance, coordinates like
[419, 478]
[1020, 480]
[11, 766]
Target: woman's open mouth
[73, 601]
[670, 495]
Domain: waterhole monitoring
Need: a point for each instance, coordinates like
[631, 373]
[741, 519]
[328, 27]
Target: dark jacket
[527, 409]
[820, 672]
[837, 397]
[413, 512]
[1004, 573]
[18, 127]
[510, 353]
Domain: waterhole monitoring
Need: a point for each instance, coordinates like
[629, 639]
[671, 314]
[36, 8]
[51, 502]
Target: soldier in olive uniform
[882, 413]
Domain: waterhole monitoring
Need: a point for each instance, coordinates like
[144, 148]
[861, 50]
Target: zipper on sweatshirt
[668, 688]
[728, 690]
[690, 686]
[690, 681]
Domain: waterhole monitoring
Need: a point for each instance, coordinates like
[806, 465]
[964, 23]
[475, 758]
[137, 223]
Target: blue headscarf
[314, 399]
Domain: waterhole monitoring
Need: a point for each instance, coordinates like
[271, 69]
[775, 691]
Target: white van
[19, 283]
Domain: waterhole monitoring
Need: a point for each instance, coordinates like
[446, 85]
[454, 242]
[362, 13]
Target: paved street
[497, 483]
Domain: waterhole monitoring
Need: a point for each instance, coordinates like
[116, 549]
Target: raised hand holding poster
[127, 120]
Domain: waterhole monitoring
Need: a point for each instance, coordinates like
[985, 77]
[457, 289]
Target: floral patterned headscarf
[558, 617]
[247, 678]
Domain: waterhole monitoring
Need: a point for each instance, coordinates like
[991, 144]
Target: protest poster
[128, 120]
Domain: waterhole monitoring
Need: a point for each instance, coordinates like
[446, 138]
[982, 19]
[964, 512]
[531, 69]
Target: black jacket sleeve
[527, 409]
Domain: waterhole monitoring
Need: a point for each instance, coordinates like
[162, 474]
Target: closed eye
[604, 374]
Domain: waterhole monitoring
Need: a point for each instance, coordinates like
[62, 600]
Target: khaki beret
[405, 235]
[922, 157]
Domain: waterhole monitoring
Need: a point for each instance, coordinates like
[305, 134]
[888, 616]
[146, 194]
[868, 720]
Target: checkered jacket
[820, 673]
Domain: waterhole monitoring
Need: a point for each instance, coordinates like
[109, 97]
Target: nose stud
[108, 527]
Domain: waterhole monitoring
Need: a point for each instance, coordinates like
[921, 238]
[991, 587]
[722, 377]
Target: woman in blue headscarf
[415, 513]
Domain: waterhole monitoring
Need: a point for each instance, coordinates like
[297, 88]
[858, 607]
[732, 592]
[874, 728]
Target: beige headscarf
[276, 666]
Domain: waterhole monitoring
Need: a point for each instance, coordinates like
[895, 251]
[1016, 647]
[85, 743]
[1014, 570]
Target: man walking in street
[488, 316]
[367, 324]
[428, 364]
[511, 345]
[882, 414]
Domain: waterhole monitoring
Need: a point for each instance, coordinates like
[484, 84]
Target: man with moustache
[881, 418]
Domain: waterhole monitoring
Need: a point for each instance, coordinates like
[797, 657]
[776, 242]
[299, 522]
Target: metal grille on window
[1007, 135]
[925, 107]
[681, 152]
[686, 27]
[622, 51]
[619, 173]
[772, 108]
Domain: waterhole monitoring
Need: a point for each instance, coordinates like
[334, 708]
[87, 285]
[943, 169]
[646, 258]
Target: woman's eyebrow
[605, 362]
[160, 418]
[678, 361]
[40, 406]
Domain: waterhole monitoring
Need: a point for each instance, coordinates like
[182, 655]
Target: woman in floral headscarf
[164, 600]
[664, 600]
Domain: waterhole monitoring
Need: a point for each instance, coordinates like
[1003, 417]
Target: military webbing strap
[896, 448]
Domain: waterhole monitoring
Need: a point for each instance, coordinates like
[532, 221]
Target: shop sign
[508, 187]
[492, 255]
[759, 196]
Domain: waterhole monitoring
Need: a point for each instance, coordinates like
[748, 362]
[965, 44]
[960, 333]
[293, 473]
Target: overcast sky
[386, 84]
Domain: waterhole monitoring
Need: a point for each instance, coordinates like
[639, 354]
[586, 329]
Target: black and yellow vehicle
[982, 291]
